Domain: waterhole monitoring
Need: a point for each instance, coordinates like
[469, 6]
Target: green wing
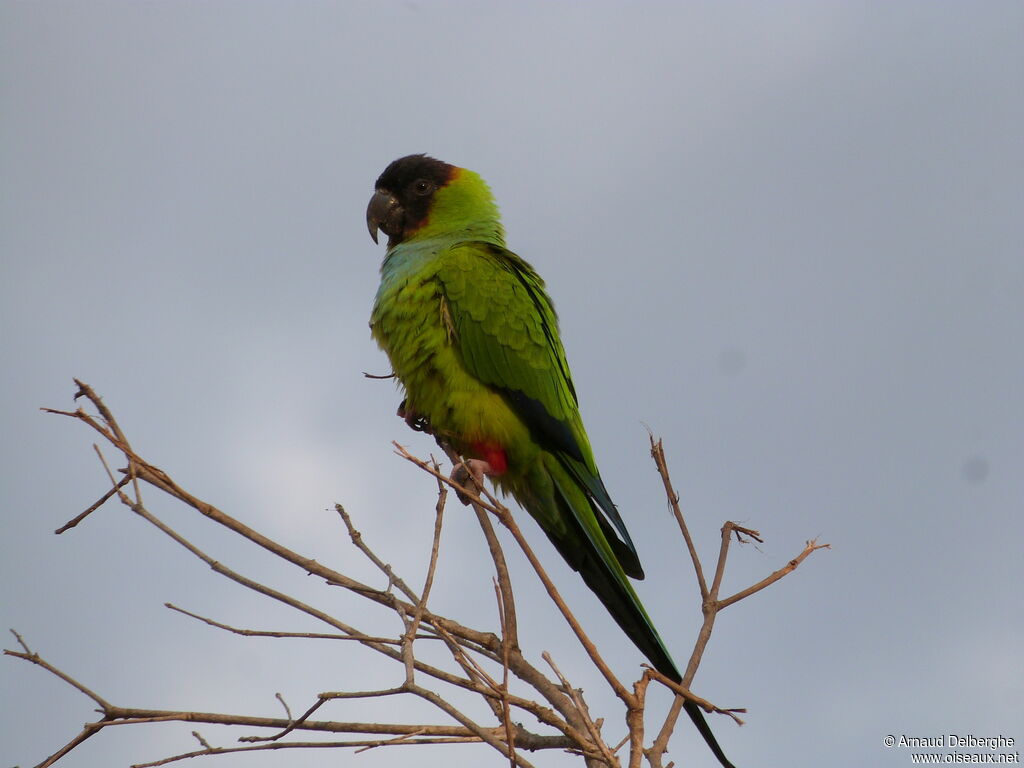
[507, 332]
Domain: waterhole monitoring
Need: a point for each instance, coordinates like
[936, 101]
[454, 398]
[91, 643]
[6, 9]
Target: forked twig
[505, 517]
[710, 606]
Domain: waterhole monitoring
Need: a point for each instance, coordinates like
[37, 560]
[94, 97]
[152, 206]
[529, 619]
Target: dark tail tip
[697, 716]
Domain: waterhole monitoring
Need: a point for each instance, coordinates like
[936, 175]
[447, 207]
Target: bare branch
[506, 519]
[93, 507]
[292, 724]
[687, 694]
[203, 742]
[789, 567]
[410, 634]
[303, 635]
[21, 641]
[38, 660]
[577, 698]
[360, 544]
[127, 716]
[287, 709]
[635, 722]
[559, 706]
[658, 454]
[90, 730]
[360, 745]
[509, 522]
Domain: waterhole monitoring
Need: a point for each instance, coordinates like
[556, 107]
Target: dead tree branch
[482, 663]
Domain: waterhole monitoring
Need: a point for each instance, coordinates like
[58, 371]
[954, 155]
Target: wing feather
[506, 329]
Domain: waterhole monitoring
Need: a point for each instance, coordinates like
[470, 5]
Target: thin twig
[93, 507]
[38, 660]
[359, 744]
[287, 709]
[389, 742]
[203, 742]
[21, 641]
[506, 707]
[421, 604]
[789, 567]
[291, 725]
[658, 453]
[360, 544]
[510, 631]
[90, 730]
[595, 734]
[303, 635]
[686, 693]
[506, 519]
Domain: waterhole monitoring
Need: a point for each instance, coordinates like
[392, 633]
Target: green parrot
[473, 338]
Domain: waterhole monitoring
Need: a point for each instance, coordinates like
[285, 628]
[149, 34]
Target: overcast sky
[786, 236]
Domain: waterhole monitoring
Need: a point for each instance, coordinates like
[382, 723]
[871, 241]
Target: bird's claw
[416, 422]
[470, 475]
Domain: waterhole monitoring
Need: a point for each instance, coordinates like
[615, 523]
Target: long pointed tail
[585, 547]
[697, 716]
[624, 607]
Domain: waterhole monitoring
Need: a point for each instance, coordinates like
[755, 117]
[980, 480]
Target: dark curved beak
[381, 209]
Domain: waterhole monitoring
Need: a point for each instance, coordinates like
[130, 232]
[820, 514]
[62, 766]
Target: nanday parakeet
[473, 338]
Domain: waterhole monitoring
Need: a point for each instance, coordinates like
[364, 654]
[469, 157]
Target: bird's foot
[413, 419]
[470, 475]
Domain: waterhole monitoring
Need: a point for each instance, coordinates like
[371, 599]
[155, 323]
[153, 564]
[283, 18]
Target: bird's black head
[404, 192]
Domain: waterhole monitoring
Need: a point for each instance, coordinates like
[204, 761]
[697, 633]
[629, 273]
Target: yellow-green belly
[412, 325]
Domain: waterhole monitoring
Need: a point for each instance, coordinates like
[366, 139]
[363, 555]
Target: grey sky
[786, 236]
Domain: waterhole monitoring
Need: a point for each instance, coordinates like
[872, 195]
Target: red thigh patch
[494, 455]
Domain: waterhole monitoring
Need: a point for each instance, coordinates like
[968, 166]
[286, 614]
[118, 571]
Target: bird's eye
[422, 187]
